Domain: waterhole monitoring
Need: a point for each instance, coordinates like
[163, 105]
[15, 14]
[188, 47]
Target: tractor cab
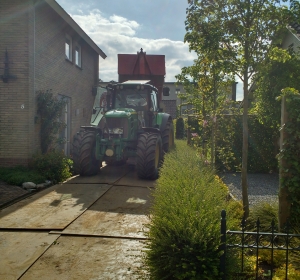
[138, 96]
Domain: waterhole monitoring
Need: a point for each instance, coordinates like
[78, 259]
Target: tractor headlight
[116, 130]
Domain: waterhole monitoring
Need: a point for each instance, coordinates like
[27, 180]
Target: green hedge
[184, 227]
[262, 145]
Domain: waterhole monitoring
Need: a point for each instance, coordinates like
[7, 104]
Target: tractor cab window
[131, 98]
[154, 105]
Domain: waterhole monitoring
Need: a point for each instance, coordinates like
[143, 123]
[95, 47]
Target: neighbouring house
[42, 48]
[292, 37]
[174, 105]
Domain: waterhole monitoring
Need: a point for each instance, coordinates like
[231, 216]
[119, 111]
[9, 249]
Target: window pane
[77, 57]
[67, 50]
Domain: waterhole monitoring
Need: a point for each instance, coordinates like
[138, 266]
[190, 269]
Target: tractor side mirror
[166, 91]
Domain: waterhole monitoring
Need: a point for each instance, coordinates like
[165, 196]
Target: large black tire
[75, 151]
[89, 165]
[149, 155]
[168, 137]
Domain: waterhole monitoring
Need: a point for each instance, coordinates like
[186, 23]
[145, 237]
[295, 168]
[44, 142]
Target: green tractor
[127, 125]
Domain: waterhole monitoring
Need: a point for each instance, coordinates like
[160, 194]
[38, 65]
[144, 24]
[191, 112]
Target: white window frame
[68, 42]
[78, 59]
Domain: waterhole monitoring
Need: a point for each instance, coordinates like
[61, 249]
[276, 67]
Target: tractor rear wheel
[75, 152]
[168, 137]
[149, 155]
[89, 165]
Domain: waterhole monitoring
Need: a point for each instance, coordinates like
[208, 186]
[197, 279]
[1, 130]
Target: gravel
[261, 187]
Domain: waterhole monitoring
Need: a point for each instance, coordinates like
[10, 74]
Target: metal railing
[256, 241]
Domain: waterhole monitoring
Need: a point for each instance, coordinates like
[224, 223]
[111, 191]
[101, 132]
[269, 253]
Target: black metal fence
[255, 241]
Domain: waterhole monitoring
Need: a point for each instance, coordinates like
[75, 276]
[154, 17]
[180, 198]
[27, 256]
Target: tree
[276, 73]
[208, 93]
[241, 31]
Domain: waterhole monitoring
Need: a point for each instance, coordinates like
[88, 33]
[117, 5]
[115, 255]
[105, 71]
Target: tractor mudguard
[151, 129]
[162, 119]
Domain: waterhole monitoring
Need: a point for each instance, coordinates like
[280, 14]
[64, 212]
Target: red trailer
[142, 67]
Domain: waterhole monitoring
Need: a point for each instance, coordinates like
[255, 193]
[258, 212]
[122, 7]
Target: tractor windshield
[131, 98]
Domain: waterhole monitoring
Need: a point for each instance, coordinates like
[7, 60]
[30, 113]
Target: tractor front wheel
[88, 164]
[75, 151]
[149, 155]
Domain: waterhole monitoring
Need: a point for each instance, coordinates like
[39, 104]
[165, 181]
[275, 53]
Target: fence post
[223, 245]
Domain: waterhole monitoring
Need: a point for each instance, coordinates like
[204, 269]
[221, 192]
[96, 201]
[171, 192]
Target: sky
[126, 26]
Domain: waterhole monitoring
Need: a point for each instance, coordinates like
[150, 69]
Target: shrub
[266, 212]
[262, 145]
[293, 274]
[180, 128]
[20, 174]
[184, 227]
[53, 165]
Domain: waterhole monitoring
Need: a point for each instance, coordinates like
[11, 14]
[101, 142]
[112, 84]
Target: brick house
[41, 48]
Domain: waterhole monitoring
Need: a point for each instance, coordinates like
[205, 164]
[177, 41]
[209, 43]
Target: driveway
[87, 228]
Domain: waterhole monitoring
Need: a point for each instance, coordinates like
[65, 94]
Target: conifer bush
[179, 128]
[184, 228]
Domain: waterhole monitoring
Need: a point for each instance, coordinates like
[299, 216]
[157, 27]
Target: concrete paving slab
[107, 175]
[121, 211]
[131, 179]
[53, 208]
[19, 250]
[88, 258]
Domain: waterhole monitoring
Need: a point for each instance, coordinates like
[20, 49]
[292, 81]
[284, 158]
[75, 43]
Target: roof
[57, 8]
[141, 64]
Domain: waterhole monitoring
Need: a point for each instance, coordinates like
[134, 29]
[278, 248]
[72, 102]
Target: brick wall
[14, 106]
[54, 72]
[170, 107]
[35, 40]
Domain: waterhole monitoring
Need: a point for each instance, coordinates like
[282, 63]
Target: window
[78, 55]
[153, 101]
[68, 48]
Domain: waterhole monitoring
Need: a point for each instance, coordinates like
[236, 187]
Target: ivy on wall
[50, 110]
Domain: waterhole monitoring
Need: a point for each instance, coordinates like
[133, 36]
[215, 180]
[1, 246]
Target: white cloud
[121, 20]
[116, 35]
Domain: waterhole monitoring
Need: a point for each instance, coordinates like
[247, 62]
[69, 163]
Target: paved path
[86, 228]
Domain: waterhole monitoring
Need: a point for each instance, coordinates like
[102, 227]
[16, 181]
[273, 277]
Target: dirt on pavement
[10, 192]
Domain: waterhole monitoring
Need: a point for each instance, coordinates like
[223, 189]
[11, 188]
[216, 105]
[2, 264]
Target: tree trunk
[284, 204]
[245, 149]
